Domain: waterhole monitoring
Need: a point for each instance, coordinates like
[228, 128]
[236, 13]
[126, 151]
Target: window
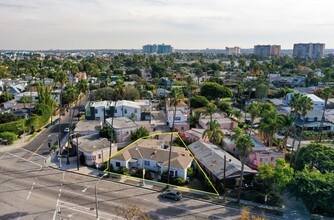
[115, 110]
[177, 118]
[182, 128]
[96, 111]
[272, 158]
[99, 156]
[315, 119]
[87, 112]
[135, 110]
[125, 111]
[146, 163]
[261, 160]
[118, 164]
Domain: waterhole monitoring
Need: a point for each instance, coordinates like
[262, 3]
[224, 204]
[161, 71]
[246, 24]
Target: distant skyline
[184, 24]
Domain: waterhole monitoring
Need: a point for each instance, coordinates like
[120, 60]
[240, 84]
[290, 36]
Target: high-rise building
[267, 50]
[310, 50]
[232, 50]
[160, 48]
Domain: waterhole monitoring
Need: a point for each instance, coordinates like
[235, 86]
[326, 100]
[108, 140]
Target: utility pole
[224, 178]
[77, 151]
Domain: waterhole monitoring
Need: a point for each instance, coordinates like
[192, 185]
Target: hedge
[10, 137]
[16, 127]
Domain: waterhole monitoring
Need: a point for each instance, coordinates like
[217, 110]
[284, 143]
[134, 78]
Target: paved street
[30, 190]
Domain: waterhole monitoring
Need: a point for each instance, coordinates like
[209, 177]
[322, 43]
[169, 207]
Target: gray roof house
[211, 158]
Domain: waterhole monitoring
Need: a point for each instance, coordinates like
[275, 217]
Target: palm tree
[295, 108]
[269, 126]
[253, 109]
[175, 99]
[306, 106]
[214, 133]
[199, 74]
[33, 73]
[244, 146]
[62, 78]
[285, 122]
[326, 93]
[210, 109]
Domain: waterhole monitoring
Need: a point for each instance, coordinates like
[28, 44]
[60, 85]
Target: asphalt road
[30, 190]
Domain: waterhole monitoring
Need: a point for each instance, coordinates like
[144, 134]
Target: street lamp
[96, 201]
[142, 165]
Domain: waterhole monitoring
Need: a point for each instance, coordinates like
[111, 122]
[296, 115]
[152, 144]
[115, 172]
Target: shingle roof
[212, 157]
[152, 149]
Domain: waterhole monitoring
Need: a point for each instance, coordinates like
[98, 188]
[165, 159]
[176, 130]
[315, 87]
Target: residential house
[318, 103]
[194, 135]
[224, 123]
[88, 127]
[260, 154]
[32, 95]
[313, 121]
[211, 158]
[181, 116]
[162, 92]
[94, 150]
[122, 128]
[151, 155]
[137, 110]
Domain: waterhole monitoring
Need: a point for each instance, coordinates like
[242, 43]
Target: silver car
[172, 194]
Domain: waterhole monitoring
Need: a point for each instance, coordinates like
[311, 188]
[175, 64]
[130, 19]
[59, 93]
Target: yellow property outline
[161, 183]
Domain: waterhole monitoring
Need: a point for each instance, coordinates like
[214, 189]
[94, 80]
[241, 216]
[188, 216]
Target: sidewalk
[89, 171]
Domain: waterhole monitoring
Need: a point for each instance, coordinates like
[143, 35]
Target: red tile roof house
[260, 155]
[150, 154]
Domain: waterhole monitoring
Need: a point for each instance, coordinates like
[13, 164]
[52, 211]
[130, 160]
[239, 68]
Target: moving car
[172, 194]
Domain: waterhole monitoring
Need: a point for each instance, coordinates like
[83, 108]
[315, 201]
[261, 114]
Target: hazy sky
[115, 24]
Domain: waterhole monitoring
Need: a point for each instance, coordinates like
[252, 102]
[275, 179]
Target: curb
[272, 216]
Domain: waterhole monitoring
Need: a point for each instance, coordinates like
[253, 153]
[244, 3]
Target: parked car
[172, 194]
[66, 130]
[289, 147]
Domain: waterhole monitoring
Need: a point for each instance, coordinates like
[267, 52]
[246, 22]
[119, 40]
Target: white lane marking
[18, 218]
[58, 199]
[3, 156]
[72, 206]
[41, 167]
[32, 187]
[33, 152]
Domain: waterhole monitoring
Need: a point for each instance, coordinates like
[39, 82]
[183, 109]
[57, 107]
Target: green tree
[316, 189]
[244, 146]
[175, 99]
[131, 93]
[253, 109]
[8, 137]
[261, 91]
[268, 126]
[212, 90]
[271, 179]
[139, 133]
[295, 108]
[107, 132]
[198, 101]
[214, 133]
[314, 156]
[210, 109]
[306, 106]
[326, 94]
[285, 122]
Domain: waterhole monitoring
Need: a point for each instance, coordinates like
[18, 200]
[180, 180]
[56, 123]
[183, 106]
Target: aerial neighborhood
[247, 126]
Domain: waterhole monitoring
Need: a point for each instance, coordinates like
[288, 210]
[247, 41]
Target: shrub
[122, 170]
[16, 127]
[190, 172]
[9, 137]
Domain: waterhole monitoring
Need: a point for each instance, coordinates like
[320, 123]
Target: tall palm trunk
[300, 136]
[322, 122]
[170, 147]
[241, 180]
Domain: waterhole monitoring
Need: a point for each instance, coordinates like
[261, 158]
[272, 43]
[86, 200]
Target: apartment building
[267, 50]
[309, 50]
